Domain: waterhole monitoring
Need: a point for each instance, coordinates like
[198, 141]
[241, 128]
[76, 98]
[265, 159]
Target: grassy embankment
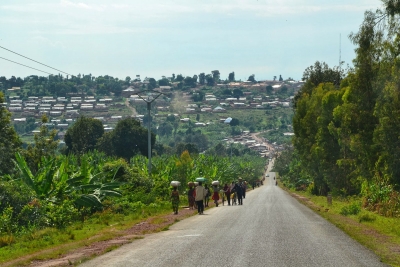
[50, 243]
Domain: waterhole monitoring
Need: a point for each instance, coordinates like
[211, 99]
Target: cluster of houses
[60, 107]
[70, 107]
[262, 147]
[211, 103]
[57, 106]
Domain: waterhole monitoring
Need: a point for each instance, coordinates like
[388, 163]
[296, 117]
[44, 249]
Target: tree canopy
[83, 135]
[9, 140]
[126, 140]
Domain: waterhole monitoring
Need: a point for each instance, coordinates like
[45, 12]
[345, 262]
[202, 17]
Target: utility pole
[151, 97]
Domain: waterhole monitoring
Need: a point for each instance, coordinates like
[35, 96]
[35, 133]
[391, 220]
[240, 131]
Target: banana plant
[90, 185]
[42, 182]
[54, 181]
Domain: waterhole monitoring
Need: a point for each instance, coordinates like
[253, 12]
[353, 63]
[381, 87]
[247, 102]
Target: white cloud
[65, 3]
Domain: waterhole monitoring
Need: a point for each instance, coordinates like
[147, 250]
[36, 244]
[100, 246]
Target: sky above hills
[159, 37]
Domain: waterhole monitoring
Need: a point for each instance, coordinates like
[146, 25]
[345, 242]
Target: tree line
[60, 85]
[347, 124]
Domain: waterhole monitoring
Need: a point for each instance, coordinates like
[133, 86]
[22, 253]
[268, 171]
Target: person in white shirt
[200, 195]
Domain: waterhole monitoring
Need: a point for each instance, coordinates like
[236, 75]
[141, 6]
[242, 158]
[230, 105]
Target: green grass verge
[51, 243]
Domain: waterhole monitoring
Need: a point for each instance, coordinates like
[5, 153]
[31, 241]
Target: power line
[26, 66]
[34, 61]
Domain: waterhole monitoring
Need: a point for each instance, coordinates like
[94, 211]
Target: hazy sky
[160, 37]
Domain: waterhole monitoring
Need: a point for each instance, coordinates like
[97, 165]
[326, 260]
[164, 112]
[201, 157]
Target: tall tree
[202, 78]
[320, 72]
[216, 75]
[152, 83]
[251, 78]
[195, 77]
[317, 74]
[126, 140]
[9, 140]
[163, 82]
[210, 80]
[231, 76]
[189, 81]
[83, 135]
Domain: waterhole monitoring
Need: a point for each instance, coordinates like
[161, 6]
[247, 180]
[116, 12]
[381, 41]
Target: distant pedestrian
[239, 193]
[190, 195]
[215, 196]
[207, 197]
[233, 193]
[175, 200]
[227, 191]
[200, 195]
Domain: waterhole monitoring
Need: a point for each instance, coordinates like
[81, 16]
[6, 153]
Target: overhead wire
[26, 66]
[33, 61]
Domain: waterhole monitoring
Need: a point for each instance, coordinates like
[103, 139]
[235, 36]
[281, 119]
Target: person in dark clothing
[239, 192]
[190, 195]
[244, 187]
[227, 191]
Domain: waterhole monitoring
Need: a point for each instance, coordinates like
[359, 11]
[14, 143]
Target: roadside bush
[352, 209]
[32, 214]
[7, 224]
[62, 214]
[14, 194]
[382, 199]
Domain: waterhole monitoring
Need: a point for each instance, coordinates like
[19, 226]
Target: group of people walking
[199, 195]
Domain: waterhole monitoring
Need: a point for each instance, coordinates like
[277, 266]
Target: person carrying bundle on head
[215, 196]
[175, 196]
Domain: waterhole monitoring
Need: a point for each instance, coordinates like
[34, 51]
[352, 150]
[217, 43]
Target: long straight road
[269, 229]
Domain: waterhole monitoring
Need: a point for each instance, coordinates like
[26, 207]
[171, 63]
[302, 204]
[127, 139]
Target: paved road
[269, 229]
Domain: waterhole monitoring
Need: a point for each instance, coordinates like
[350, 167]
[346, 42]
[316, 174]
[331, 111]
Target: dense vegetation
[43, 186]
[347, 125]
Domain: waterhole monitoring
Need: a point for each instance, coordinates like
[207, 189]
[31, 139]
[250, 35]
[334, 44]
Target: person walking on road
[175, 199]
[239, 192]
[207, 197]
[190, 194]
[227, 191]
[244, 187]
[200, 195]
[215, 196]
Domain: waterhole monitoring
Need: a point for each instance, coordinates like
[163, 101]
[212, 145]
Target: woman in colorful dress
[175, 200]
[215, 196]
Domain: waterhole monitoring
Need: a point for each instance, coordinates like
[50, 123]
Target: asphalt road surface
[269, 229]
